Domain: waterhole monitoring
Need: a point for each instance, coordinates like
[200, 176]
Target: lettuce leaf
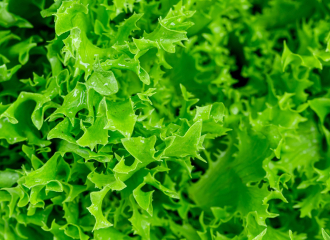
[201, 119]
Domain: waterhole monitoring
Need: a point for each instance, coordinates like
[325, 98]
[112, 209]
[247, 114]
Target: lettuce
[199, 119]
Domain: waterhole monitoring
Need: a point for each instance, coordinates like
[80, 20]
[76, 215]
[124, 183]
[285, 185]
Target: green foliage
[146, 120]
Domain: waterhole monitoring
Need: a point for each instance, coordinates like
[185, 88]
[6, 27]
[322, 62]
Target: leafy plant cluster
[192, 119]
